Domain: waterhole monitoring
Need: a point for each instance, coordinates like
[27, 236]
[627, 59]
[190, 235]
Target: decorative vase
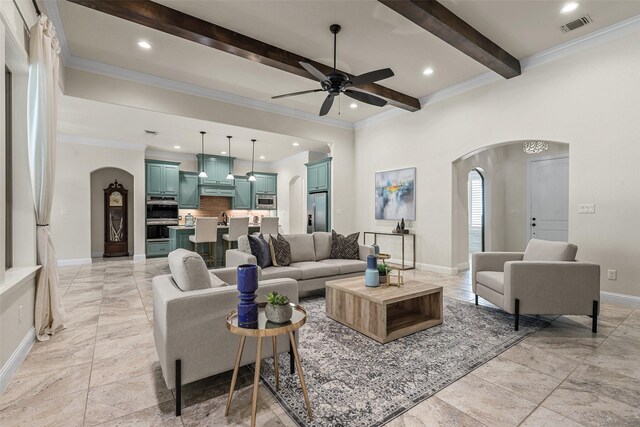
[376, 249]
[278, 313]
[372, 276]
[402, 224]
[247, 286]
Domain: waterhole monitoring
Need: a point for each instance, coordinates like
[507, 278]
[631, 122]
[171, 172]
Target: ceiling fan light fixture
[202, 173]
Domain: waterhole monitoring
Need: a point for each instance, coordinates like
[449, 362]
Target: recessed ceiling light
[570, 7]
[144, 44]
[428, 71]
[296, 144]
[262, 157]
[177, 147]
[353, 105]
[223, 152]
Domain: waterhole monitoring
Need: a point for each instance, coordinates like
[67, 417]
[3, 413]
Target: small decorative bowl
[278, 313]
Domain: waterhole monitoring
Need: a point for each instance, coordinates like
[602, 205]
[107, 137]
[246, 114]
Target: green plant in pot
[278, 309]
[383, 270]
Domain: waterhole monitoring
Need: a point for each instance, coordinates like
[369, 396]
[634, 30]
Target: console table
[410, 237]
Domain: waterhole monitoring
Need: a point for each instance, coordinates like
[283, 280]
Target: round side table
[264, 329]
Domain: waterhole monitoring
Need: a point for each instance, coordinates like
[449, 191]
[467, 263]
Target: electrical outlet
[20, 315]
[612, 274]
[587, 208]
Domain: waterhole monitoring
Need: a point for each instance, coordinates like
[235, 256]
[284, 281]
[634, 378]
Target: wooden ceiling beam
[174, 22]
[444, 24]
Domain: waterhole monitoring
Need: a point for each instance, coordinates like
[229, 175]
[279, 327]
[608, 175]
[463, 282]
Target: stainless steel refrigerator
[317, 212]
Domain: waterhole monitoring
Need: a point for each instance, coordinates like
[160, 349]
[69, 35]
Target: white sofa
[189, 327]
[310, 262]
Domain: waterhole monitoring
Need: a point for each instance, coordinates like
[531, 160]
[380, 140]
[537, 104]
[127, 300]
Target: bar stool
[238, 226]
[268, 226]
[206, 232]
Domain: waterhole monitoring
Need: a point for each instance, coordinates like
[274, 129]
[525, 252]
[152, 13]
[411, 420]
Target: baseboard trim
[427, 267]
[622, 299]
[16, 359]
[463, 266]
[139, 257]
[77, 261]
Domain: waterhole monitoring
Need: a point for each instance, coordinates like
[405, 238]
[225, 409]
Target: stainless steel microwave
[265, 201]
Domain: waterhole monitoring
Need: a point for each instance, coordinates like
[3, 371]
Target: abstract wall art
[396, 194]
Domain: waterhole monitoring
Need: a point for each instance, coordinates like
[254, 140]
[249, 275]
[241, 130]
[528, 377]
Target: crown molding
[555, 53]
[200, 91]
[97, 142]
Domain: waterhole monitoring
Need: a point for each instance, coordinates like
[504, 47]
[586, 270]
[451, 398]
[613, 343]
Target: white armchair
[545, 279]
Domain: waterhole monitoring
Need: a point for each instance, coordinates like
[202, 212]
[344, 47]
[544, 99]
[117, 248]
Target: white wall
[100, 179]
[71, 214]
[589, 100]
[288, 169]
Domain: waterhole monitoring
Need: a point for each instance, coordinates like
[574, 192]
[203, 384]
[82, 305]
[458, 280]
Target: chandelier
[534, 147]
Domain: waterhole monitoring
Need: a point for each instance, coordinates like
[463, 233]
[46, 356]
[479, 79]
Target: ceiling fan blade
[326, 105]
[366, 98]
[313, 71]
[296, 93]
[372, 76]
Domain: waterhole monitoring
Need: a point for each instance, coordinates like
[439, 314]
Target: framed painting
[396, 194]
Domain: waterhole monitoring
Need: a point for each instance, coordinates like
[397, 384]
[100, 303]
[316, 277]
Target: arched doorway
[296, 205]
[100, 179]
[476, 200]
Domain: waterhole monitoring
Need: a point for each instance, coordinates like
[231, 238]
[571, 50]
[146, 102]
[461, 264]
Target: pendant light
[253, 153]
[230, 176]
[202, 173]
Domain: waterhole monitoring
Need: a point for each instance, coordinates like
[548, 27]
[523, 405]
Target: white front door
[549, 199]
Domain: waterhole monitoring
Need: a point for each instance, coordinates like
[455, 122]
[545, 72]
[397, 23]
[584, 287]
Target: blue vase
[371, 275]
[247, 286]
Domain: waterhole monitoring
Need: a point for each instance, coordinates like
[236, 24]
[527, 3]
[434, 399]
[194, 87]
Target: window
[476, 211]
[8, 171]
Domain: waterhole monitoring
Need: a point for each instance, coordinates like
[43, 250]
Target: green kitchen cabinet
[266, 183]
[217, 169]
[158, 249]
[242, 197]
[319, 176]
[189, 196]
[162, 178]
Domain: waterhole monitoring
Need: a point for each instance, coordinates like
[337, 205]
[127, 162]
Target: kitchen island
[179, 238]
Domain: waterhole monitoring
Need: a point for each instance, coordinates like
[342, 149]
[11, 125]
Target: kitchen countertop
[223, 227]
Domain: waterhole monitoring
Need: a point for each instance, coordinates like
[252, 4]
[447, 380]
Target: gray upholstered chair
[545, 279]
[190, 307]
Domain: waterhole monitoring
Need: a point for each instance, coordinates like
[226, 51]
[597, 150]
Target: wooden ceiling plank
[174, 22]
[444, 24]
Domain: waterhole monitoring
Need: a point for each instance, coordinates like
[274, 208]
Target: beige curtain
[42, 117]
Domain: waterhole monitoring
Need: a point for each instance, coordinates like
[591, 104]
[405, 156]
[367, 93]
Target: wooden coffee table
[384, 313]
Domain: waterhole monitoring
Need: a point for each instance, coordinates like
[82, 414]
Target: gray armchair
[545, 279]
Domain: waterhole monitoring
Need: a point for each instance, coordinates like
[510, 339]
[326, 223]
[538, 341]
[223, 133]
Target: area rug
[355, 381]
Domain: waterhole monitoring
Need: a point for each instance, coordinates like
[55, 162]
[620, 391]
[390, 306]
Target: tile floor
[103, 369]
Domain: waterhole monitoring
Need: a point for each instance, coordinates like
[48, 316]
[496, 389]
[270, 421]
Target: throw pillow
[260, 249]
[344, 247]
[280, 251]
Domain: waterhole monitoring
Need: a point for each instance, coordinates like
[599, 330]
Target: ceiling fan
[337, 83]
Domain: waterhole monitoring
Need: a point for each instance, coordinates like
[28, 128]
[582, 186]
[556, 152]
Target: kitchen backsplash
[211, 206]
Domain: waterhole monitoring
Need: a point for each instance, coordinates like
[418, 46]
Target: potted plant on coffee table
[278, 309]
[383, 270]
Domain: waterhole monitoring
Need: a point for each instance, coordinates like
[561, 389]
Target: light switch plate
[612, 274]
[587, 208]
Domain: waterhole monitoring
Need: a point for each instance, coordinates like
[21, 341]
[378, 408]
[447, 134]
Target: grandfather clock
[115, 221]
